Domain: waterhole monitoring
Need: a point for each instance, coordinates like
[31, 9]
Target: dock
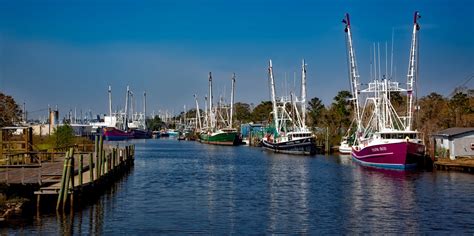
[65, 176]
[461, 165]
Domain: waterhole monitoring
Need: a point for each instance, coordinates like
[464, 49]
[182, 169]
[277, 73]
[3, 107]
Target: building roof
[450, 132]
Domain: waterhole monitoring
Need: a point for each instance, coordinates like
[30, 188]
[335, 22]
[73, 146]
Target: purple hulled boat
[383, 138]
[114, 134]
[395, 150]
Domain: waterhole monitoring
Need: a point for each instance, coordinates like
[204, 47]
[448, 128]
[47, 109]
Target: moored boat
[390, 149]
[220, 132]
[386, 140]
[227, 137]
[114, 134]
[140, 133]
[299, 143]
[345, 147]
[288, 132]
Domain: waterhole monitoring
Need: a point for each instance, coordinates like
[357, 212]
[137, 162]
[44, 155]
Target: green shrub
[62, 136]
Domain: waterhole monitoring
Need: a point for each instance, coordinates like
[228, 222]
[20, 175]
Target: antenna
[391, 57]
[386, 60]
[380, 71]
[110, 101]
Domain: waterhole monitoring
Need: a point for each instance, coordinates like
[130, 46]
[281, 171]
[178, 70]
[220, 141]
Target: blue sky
[66, 53]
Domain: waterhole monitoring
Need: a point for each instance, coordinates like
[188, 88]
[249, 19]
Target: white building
[454, 142]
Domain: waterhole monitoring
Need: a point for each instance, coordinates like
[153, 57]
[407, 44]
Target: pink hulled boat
[392, 149]
[114, 134]
[383, 138]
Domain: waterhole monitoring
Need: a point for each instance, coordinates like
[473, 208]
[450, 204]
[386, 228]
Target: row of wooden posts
[101, 163]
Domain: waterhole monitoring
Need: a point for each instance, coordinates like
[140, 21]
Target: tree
[261, 112]
[342, 109]
[10, 112]
[242, 113]
[433, 114]
[459, 106]
[315, 110]
[154, 124]
[398, 101]
[63, 136]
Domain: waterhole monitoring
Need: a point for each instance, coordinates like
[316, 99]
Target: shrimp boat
[113, 127]
[385, 139]
[289, 133]
[137, 126]
[219, 130]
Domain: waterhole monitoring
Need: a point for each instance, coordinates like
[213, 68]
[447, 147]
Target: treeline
[434, 112]
[10, 112]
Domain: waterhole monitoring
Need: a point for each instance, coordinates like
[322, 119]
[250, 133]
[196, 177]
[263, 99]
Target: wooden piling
[69, 176]
[91, 167]
[63, 180]
[71, 197]
[102, 165]
[107, 165]
[80, 169]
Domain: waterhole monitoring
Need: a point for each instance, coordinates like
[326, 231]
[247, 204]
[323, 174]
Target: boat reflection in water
[382, 192]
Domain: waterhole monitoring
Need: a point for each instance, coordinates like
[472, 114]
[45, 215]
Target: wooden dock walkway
[462, 165]
[33, 173]
[69, 175]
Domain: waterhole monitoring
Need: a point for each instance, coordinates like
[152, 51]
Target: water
[188, 188]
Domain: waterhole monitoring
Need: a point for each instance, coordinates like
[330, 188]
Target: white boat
[289, 133]
[345, 147]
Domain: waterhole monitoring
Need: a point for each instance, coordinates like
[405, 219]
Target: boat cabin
[299, 135]
[399, 135]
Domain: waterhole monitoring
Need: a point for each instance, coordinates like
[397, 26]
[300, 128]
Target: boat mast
[353, 74]
[184, 115]
[125, 123]
[211, 121]
[272, 89]
[412, 69]
[232, 100]
[144, 108]
[206, 115]
[131, 105]
[303, 95]
[198, 114]
[110, 101]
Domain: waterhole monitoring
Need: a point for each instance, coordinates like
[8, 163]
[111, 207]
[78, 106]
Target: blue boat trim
[386, 166]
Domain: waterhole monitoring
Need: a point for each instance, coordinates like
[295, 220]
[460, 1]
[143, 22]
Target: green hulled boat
[220, 131]
[228, 137]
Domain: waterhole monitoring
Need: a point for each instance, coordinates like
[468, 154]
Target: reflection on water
[288, 185]
[387, 193]
[189, 188]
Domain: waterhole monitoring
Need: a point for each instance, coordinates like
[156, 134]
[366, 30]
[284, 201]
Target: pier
[65, 176]
[461, 165]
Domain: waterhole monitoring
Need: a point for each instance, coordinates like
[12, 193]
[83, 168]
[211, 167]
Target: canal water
[192, 188]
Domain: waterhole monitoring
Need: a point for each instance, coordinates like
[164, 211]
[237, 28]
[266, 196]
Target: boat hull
[304, 146]
[344, 149]
[114, 134]
[226, 139]
[399, 155]
[141, 134]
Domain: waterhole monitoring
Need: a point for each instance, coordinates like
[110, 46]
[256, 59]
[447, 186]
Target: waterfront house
[454, 142]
